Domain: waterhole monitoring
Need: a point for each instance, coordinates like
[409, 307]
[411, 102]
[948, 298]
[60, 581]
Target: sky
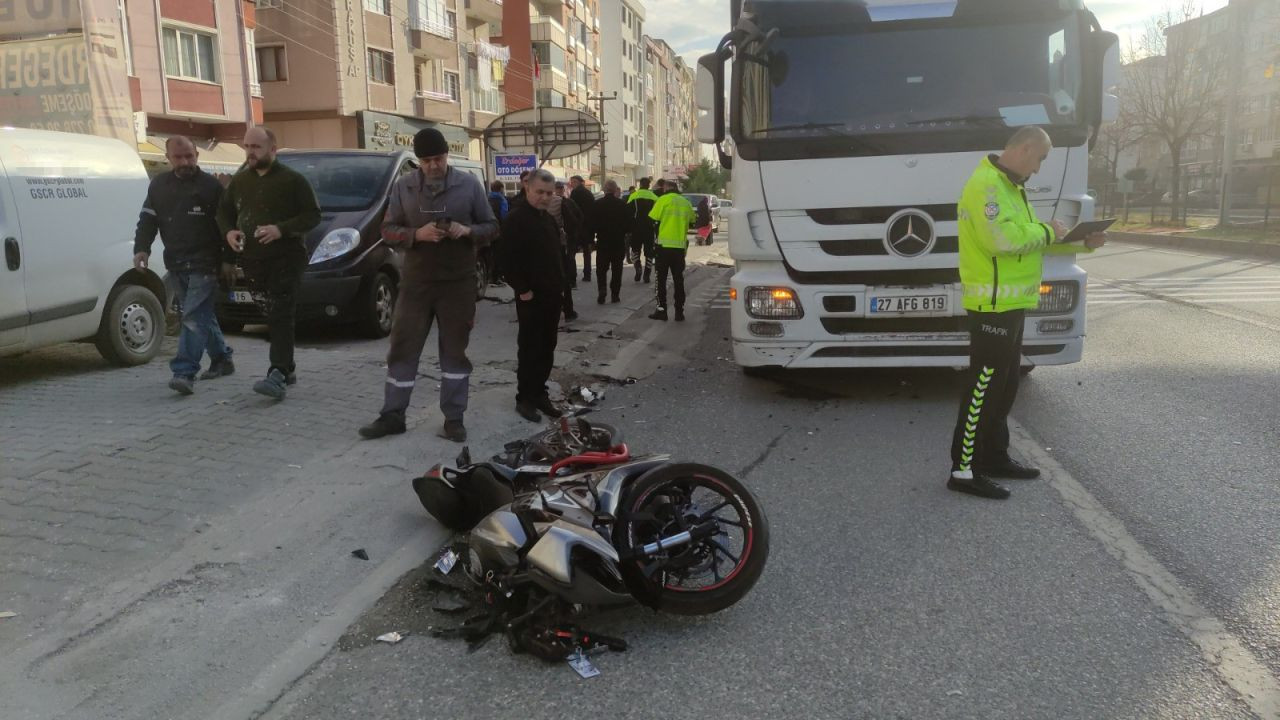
[693, 27]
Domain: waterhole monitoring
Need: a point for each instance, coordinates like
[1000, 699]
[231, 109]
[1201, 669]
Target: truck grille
[877, 215]
[843, 325]
[875, 246]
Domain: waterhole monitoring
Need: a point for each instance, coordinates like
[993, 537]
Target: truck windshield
[892, 83]
[343, 183]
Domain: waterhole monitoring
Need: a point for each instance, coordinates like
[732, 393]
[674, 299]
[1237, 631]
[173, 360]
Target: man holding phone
[437, 216]
[266, 210]
[1001, 246]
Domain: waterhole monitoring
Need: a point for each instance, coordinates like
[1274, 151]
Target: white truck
[852, 128]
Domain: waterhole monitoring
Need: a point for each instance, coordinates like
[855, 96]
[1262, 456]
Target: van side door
[14, 316]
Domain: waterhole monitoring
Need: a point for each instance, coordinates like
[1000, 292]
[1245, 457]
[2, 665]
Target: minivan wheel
[132, 326]
[378, 306]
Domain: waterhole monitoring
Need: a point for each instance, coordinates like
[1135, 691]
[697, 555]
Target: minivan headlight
[336, 243]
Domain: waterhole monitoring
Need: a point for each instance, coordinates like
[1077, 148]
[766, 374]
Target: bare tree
[1113, 139]
[1173, 83]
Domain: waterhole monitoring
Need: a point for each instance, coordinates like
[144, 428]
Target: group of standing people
[439, 218]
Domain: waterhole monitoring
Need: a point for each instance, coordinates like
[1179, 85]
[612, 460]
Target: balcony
[481, 12]
[553, 79]
[438, 106]
[432, 40]
[485, 106]
[546, 29]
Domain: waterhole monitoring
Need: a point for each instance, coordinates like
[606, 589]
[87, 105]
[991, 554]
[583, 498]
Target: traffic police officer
[1001, 246]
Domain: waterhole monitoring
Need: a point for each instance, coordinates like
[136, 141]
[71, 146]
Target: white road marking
[1224, 653]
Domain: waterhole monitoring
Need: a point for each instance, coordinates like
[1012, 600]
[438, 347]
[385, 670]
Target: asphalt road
[1138, 579]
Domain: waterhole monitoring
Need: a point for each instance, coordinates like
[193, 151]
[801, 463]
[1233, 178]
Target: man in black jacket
[182, 204]
[583, 198]
[534, 262]
[267, 209]
[611, 219]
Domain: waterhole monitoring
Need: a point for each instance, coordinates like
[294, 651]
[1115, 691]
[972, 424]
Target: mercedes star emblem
[909, 233]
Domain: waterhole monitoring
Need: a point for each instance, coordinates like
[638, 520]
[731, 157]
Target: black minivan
[353, 275]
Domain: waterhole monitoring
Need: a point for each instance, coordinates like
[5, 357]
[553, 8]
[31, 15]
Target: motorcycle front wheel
[712, 571]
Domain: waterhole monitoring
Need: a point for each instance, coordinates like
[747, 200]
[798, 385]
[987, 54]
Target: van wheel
[377, 307]
[132, 326]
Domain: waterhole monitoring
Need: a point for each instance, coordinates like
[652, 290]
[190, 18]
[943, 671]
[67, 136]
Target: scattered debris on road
[8, 614]
[391, 638]
[360, 554]
[447, 561]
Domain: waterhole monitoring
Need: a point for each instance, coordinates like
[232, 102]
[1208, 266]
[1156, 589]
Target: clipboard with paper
[1086, 228]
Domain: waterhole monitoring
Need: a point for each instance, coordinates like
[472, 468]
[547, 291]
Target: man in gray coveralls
[437, 215]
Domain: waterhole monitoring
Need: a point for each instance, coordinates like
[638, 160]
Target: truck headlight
[773, 303]
[336, 243]
[1057, 297]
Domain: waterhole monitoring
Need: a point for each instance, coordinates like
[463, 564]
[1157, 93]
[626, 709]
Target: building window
[382, 67]
[452, 85]
[550, 98]
[451, 19]
[269, 4]
[189, 54]
[271, 64]
[127, 41]
[378, 6]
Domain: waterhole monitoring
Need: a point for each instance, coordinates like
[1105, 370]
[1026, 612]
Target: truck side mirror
[1110, 52]
[709, 98]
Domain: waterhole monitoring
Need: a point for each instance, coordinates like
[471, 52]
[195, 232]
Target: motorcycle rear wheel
[692, 579]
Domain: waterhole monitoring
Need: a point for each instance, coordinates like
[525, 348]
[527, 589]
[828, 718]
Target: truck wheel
[377, 307]
[132, 326]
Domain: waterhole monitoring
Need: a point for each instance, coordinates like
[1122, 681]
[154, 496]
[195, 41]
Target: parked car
[722, 209]
[68, 209]
[353, 276]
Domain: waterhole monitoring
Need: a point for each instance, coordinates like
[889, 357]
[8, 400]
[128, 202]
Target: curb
[1269, 251]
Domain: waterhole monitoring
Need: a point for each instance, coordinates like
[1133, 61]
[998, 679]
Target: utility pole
[1235, 49]
[600, 101]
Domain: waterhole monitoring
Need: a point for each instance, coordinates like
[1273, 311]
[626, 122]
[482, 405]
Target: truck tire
[132, 327]
[377, 306]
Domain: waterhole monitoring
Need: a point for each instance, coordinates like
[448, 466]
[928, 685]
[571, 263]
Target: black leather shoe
[454, 430]
[615, 299]
[679, 316]
[600, 299]
[1010, 469]
[571, 315]
[528, 411]
[980, 486]
[386, 424]
[221, 367]
[547, 407]
[659, 314]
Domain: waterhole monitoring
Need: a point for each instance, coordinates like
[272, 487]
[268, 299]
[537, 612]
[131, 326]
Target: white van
[68, 208]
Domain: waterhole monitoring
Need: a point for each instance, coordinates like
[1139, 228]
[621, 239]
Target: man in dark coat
[534, 262]
[611, 219]
[583, 198]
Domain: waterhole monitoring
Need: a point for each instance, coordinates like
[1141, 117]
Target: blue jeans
[194, 292]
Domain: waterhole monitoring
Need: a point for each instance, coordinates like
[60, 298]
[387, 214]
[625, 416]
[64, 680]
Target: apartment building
[561, 68]
[622, 44]
[371, 73]
[154, 68]
[1256, 35]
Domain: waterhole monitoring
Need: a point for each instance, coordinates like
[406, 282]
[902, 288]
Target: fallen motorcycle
[569, 521]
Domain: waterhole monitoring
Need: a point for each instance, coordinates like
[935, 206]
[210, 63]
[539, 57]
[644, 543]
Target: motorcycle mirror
[464, 457]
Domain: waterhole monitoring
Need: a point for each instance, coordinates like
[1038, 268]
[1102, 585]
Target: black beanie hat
[429, 142]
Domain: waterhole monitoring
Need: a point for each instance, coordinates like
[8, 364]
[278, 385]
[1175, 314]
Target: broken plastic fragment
[581, 664]
[360, 554]
[391, 638]
[447, 561]
[8, 614]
